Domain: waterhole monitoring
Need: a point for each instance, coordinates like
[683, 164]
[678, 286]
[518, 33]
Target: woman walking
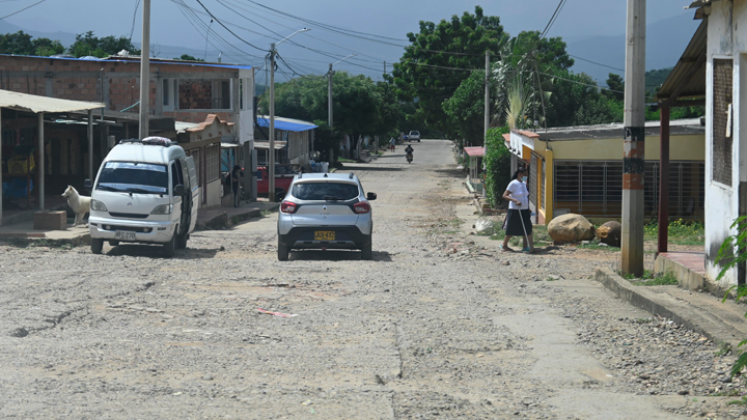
[519, 218]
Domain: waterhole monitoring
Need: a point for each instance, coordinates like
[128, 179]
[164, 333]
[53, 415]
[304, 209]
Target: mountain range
[665, 42]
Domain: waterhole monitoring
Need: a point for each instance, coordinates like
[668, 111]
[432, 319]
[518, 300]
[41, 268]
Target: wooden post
[40, 164]
[663, 180]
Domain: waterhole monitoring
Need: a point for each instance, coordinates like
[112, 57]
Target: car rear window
[325, 191]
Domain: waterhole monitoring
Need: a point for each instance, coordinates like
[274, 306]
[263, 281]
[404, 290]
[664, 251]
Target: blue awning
[286, 124]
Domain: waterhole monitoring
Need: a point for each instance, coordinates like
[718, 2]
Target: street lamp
[329, 90]
[271, 154]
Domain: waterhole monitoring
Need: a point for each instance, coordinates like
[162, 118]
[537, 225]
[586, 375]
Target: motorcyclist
[409, 150]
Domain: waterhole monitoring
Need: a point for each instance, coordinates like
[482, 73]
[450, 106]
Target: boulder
[610, 233]
[570, 228]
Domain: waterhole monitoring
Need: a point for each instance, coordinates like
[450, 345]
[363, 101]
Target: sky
[578, 19]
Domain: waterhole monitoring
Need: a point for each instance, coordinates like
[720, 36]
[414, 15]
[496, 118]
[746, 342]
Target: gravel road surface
[438, 325]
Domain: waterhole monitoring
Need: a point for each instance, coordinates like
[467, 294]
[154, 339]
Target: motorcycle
[409, 157]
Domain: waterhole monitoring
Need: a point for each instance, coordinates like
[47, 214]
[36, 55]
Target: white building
[724, 62]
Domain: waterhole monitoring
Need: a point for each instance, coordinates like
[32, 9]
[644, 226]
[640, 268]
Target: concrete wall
[687, 148]
[213, 193]
[726, 39]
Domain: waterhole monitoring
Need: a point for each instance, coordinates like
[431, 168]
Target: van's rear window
[325, 191]
[143, 178]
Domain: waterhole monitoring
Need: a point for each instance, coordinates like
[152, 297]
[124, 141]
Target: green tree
[45, 47]
[188, 57]
[88, 44]
[358, 103]
[18, 43]
[497, 165]
[420, 75]
[615, 82]
[465, 109]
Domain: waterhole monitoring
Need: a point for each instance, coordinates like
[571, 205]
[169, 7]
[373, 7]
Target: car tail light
[288, 207]
[361, 208]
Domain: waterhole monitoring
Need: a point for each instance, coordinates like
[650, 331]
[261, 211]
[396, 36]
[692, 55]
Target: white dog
[80, 204]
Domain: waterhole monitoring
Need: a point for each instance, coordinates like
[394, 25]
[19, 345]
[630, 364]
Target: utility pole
[144, 74]
[271, 152]
[271, 166]
[329, 97]
[384, 67]
[487, 108]
[634, 139]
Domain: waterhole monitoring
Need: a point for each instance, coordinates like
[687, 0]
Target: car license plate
[125, 235]
[324, 235]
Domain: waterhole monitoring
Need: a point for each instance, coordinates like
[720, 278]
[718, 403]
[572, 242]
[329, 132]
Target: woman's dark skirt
[513, 222]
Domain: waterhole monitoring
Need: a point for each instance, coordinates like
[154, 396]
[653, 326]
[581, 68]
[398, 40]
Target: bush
[497, 165]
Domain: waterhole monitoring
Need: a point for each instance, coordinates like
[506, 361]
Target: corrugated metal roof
[286, 124]
[475, 151]
[683, 127]
[136, 59]
[34, 103]
[687, 81]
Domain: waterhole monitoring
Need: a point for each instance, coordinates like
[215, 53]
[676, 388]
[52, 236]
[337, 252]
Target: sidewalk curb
[676, 311]
[222, 220]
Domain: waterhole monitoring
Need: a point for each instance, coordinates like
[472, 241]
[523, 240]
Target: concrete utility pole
[329, 96]
[144, 74]
[385, 67]
[663, 238]
[487, 108]
[634, 139]
[330, 73]
[487, 95]
[271, 152]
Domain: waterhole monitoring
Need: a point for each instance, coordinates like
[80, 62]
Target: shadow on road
[336, 256]
[369, 168]
[450, 172]
[156, 251]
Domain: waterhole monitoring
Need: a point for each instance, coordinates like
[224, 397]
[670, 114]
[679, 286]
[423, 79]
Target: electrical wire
[25, 8]
[594, 62]
[230, 31]
[134, 18]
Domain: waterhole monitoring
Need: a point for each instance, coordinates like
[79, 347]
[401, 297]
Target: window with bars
[722, 99]
[594, 188]
[532, 181]
[543, 176]
[212, 162]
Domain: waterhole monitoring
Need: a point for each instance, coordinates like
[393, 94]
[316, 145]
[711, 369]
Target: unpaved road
[439, 325]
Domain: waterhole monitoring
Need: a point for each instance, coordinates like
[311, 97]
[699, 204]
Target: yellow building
[579, 169]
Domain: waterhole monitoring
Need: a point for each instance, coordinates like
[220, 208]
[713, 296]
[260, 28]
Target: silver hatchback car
[325, 211]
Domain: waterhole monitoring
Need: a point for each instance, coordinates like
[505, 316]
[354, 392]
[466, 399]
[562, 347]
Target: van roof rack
[352, 175]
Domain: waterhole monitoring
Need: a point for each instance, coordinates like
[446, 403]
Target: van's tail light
[288, 207]
[362, 208]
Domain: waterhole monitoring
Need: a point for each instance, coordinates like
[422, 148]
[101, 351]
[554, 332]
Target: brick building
[180, 91]
[185, 90]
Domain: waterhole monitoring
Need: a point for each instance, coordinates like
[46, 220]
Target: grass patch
[345, 160]
[742, 402]
[597, 247]
[643, 320]
[650, 278]
[681, 232]
[724, 348]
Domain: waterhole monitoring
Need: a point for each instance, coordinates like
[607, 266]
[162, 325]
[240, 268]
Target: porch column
[41, 160]
[1, 172]
[663, 180]
[90, 146]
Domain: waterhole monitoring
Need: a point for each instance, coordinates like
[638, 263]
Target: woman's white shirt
[518, 191]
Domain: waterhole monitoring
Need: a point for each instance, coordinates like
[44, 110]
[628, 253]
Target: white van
[146, 191]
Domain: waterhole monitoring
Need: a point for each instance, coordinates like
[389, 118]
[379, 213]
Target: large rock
[610, 233]
[570, 228]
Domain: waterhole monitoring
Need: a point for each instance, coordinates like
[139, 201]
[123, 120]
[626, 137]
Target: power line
[226, 28]
[594, 62]
[25, 8]
[134, 18]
